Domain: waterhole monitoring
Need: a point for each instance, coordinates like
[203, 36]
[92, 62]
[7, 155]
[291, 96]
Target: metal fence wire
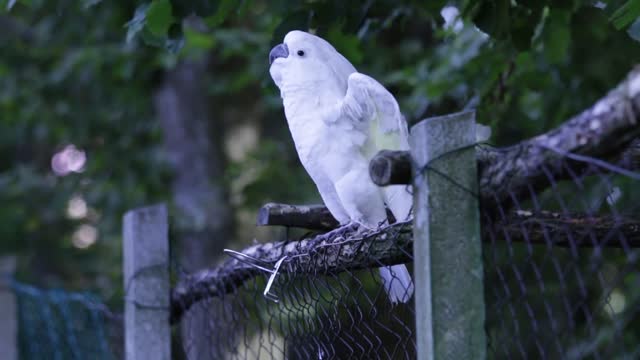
[561, 281]
[318, 306]
[562, 278]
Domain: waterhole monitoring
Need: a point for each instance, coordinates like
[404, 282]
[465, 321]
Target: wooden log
[568, 230]
[390, 168]
[313, 217]
[323, 254]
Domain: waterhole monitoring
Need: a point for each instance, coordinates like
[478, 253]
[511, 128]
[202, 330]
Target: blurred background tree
[106, 106]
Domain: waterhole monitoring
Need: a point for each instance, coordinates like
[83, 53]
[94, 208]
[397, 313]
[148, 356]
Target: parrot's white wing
[373, 109]
[369, 102]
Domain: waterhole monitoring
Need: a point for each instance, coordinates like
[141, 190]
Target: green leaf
[196, 40]
[634, 30]
[492, 17]
[158, 17]
[556, 37]
[524, 23]
[626, 14]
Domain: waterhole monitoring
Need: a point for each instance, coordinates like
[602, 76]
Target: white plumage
[339, 119]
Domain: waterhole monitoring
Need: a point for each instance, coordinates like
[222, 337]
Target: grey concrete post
[146, 281]
[447, 245]
[8, 310]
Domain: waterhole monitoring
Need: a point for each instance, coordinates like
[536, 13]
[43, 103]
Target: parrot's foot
[364, 229]
[351, 229]
[342, 230]
[337, 234]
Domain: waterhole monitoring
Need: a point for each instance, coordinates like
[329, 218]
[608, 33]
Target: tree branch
[606, 130]
[329, 253]
[313, 217]
[391, 168]
[558, 229]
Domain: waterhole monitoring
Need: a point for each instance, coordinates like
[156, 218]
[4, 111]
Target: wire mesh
[55, 324]
[561, 281]
[331, 303]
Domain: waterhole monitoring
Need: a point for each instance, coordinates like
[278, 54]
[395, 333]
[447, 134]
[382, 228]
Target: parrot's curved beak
[279, 51]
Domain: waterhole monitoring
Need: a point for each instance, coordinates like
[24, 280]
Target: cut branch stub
[390, 168]
[313, 217]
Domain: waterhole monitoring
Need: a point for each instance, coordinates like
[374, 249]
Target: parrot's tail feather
[399, 200]
[397, 283]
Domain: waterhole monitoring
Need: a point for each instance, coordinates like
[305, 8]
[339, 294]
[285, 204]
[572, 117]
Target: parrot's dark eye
[300, 53]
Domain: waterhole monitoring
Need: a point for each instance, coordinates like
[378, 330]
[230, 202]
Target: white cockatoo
[339, 119]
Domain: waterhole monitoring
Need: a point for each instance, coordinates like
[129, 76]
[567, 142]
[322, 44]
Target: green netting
[60, 325]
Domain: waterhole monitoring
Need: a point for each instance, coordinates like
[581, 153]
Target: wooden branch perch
[323, 254]
[606, 130]
[313, 217]
[390, 168]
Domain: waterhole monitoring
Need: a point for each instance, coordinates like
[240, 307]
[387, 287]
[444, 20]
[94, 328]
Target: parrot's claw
[343, 229]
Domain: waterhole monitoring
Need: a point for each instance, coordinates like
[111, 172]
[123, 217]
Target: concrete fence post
[146, 281]
[447, 245]
[8, 310]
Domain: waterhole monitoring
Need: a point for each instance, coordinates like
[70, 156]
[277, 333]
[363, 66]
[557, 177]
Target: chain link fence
[323, 302]
[562, 278]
